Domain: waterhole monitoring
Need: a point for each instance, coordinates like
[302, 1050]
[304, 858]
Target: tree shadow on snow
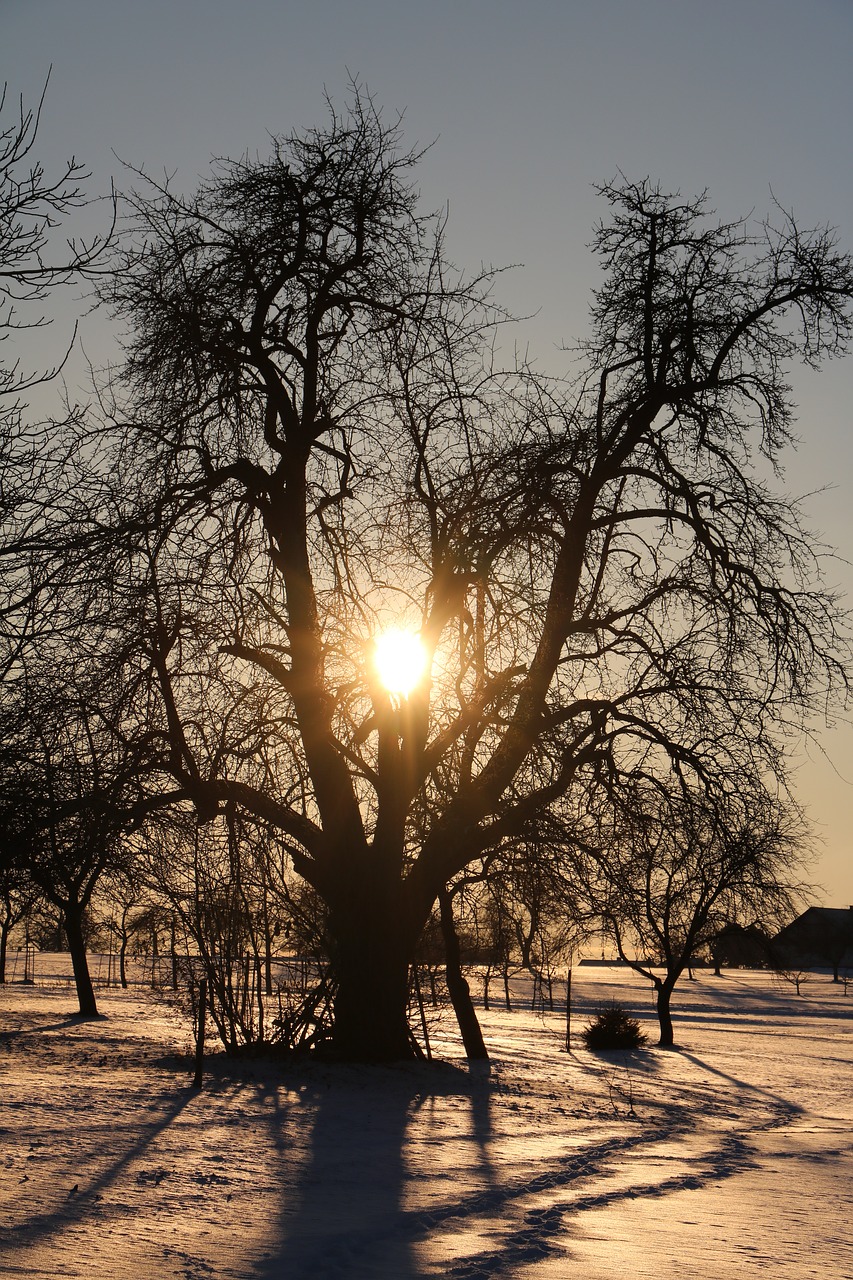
[783, 1109]
[349, 1218]
[575, 1183]
[83, 1198]
[10, 1038]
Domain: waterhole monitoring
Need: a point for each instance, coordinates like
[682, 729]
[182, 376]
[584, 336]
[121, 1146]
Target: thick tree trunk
[77, 947]
[371, 1023]
[460, 992]
[664, 994]
[375, 922]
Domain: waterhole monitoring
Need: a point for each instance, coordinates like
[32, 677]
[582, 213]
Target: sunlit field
[729, 1153]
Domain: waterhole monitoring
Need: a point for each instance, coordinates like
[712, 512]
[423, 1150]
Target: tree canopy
[313, 437]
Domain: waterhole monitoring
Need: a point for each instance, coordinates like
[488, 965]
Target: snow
[732, 1152]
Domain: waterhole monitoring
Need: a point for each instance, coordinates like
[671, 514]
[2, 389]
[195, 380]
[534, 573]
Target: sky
[526, 108]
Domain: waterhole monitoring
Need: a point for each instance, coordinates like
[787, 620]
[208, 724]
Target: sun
[400, 660]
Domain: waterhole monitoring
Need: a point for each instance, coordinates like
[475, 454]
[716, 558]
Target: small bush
[613, 1028]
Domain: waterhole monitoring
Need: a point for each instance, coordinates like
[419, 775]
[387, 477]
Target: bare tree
[670, 868]
[70, 792]
[40, 461]
[321, 444]
[126, 908]
[17, 896]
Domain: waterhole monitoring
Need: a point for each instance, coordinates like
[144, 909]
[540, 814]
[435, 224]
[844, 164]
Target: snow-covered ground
[729, 1155]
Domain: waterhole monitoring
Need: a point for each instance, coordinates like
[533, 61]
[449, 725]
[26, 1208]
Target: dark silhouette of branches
[665, 866]
[44, 504]
[313, 437]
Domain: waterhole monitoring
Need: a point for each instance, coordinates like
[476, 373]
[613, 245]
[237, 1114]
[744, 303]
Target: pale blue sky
[530, 104]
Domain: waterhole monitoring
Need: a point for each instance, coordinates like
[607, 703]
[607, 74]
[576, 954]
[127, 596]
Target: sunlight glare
[400, 660]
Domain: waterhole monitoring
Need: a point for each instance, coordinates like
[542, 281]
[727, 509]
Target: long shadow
[348, 1218]
[481, 1116]
[546, 1232]
[84, 1204]
[70, 1020]
[784, 1109]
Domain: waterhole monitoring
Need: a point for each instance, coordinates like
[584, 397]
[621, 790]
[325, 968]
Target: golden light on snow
[400, 660]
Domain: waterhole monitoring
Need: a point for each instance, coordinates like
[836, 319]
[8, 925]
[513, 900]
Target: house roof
[819, 935]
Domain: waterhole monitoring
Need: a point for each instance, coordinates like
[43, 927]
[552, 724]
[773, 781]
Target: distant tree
[69, 791]
[495, 940]
[525, 916]
[670, 869]
[17, 898]
[314, 441]
[126, 909]
[788, 970]
[746, 946]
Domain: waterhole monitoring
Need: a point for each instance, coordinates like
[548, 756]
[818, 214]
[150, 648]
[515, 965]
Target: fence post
[569, 1010]
[174, 956]
[199, 1044]
[420, 1000]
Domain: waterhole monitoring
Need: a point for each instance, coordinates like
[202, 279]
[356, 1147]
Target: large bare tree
[318, 442]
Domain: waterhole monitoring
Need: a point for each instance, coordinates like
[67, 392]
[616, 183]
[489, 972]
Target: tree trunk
[371, 1023]
[460, 992]
[122, 960]
[664, 994]
[77, 947]
[4, 940]
[375, 920]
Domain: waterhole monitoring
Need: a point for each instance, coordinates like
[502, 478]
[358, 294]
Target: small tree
[613, 1028]
[126, 910]
[70, 789]
[496, 940]
[788, 972]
